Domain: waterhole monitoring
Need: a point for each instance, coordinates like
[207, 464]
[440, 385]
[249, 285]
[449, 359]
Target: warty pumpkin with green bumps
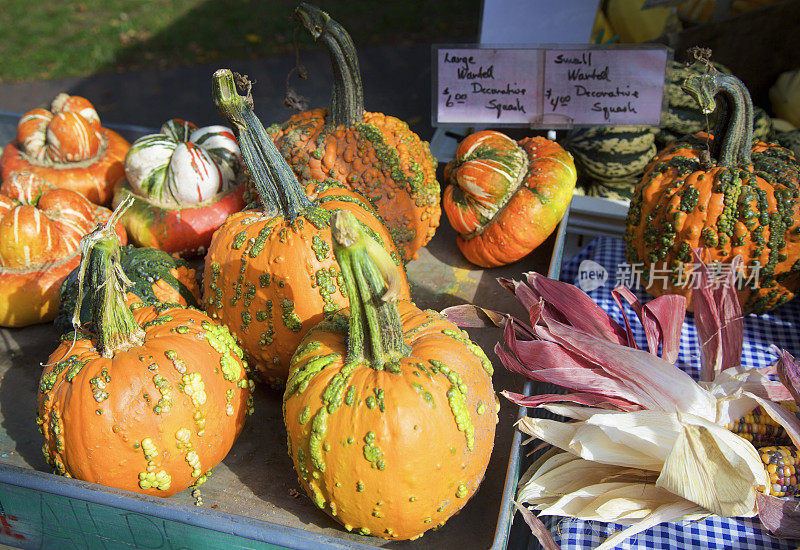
[725, 193]
[374, 154]
[270, 274]
[389, 410]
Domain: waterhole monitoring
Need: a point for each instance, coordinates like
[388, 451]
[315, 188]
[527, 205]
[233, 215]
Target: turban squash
[505, 198]
[67, 146]
[372, 153]
[269, 273]
[389, 410]
[725, 193]
[184, 182]
[148, 398]
[40, 228]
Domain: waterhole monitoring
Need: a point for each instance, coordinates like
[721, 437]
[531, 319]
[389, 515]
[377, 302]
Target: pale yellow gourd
[785, 96]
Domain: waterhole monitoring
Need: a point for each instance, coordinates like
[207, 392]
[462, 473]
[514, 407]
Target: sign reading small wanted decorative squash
[548, 87]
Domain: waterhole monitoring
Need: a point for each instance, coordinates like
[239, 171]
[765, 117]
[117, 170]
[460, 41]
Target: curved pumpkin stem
[275, 182]
[101, 272]
[733, 134]
[347, 97]
[376, 333]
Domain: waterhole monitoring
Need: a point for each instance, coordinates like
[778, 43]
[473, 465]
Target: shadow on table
[21, 369]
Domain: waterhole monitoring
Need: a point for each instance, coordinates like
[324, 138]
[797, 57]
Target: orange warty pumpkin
[150, 399]
[68, 147]
[374, 154]
[269, 272]
[504, 198]
[40, 228]
[727, 194]
[389, 410]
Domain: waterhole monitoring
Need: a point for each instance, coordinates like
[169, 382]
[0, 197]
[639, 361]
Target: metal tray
[252, 500]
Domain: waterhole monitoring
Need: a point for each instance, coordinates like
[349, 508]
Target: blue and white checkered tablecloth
[779, 328]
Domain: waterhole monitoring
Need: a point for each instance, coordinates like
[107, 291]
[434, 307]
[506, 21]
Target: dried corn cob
[760, 429]
[781, 465]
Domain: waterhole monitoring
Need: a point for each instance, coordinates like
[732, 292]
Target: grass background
[46, 39]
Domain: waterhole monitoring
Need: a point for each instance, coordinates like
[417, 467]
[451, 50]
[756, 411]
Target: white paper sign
[618, 86]
[549, 87]
[488, 85]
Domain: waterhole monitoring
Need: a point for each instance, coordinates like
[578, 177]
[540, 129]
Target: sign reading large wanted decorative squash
[549, 87]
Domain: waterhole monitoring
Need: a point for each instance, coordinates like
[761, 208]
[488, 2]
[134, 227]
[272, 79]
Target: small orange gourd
[67, 146]
[40, 228]
[505, 198]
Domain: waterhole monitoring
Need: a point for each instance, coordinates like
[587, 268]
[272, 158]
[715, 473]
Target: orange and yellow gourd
[505, 198]
[67, 146]
[40, 228]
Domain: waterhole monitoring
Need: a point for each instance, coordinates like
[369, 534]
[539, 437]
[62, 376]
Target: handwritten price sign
[549, 87]
[488, 85]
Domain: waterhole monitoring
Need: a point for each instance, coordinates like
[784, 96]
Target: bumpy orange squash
[727, 194]
[148, 399]
[373, 153]
[67, 146]
[389, 410]
[270, 274]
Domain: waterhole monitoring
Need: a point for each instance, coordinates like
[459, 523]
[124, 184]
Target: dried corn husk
[566, 485]
[673, 444]
[646, 443]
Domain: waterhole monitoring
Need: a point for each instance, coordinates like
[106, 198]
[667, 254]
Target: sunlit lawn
[62, 38]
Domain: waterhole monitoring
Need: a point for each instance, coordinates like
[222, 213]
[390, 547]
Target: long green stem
[733, 133]
[347, 97]
[275, 182]
[376, 333]
[100, 272]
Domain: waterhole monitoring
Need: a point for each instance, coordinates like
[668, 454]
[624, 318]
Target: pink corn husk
[580, 398]
[780, 516]
[538, 528]
[568, 340]
[718, 318]
[788, 370]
